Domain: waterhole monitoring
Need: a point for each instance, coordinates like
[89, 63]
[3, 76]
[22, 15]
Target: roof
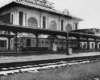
[18, 28]
[89, 31]
[7, 35]
[40, 8]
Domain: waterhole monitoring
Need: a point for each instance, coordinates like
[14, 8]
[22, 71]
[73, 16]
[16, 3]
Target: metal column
[53, 40]
[67, 52]
[95, 44]
[37, 41]
[88, 44]
[78, 42]
[62, 43]
[16, 40]
[9, 43]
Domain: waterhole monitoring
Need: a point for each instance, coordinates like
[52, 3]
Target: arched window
[20, 18]
[32, 22]
[53, 25]
[68, 27]
[44, 22]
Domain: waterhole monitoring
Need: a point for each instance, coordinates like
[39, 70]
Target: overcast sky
[88, 10]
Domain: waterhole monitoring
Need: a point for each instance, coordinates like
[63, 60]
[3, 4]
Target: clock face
[66, 12]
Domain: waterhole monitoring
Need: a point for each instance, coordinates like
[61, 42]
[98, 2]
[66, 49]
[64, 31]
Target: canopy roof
[17, 28]
[7, 35]
[89, 31]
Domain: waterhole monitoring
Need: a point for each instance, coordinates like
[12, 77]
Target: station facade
[41, 15]
[26, 13]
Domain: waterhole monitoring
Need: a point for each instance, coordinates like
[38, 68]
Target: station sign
[43, 3]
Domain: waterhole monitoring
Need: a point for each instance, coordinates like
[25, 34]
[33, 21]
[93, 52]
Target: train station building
[40, 14]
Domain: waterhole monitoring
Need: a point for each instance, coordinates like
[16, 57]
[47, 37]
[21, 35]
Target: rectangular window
[28, 42]
[56, 42]
[1, 32]
[60, 42]
[42, 42]
[25, 19]
[75, 26]
[2, 43]
[62, 23]
[46, 42]
[44, 22]
[20, 18]
[5, 32]
[11, 19]
[16, 44]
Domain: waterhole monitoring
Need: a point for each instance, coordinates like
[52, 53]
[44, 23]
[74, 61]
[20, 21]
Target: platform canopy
[7, 35]
[89, 31]
[26, 29]
[92, 32]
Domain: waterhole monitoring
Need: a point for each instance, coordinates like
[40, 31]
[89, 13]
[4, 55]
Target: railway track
[36, 66]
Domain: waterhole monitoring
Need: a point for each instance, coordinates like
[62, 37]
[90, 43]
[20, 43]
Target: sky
[88, 10]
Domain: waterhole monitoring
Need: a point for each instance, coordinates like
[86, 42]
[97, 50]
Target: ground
[7, 59]
[87, 71]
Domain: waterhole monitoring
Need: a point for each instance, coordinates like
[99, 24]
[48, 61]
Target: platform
[43, 57]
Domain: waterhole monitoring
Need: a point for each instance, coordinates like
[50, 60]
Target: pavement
[9, 59]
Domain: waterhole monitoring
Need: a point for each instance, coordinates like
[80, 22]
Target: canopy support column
[37, 41]
[78, 43]
[16, 41]
[95, 44]
[62, 43]
[88, 44]
[67, 52]
[9, 43]
[53, 41]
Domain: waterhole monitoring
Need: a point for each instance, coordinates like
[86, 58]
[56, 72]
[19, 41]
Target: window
[50, 42]
[53, 25]
[68, 27]
[56, 42]
[20, 18]
[5, 32]
[16, 44]
[2, 43]
[60, 42]
[64, 42]
[16, 39]
[11, 19]
[32, 22]
[28, 42]
[11, 41]
[46, 42]
[25, 19]
[75, 26]
[62, 23]
[44, 22]
[1, 32]
[42, 42]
